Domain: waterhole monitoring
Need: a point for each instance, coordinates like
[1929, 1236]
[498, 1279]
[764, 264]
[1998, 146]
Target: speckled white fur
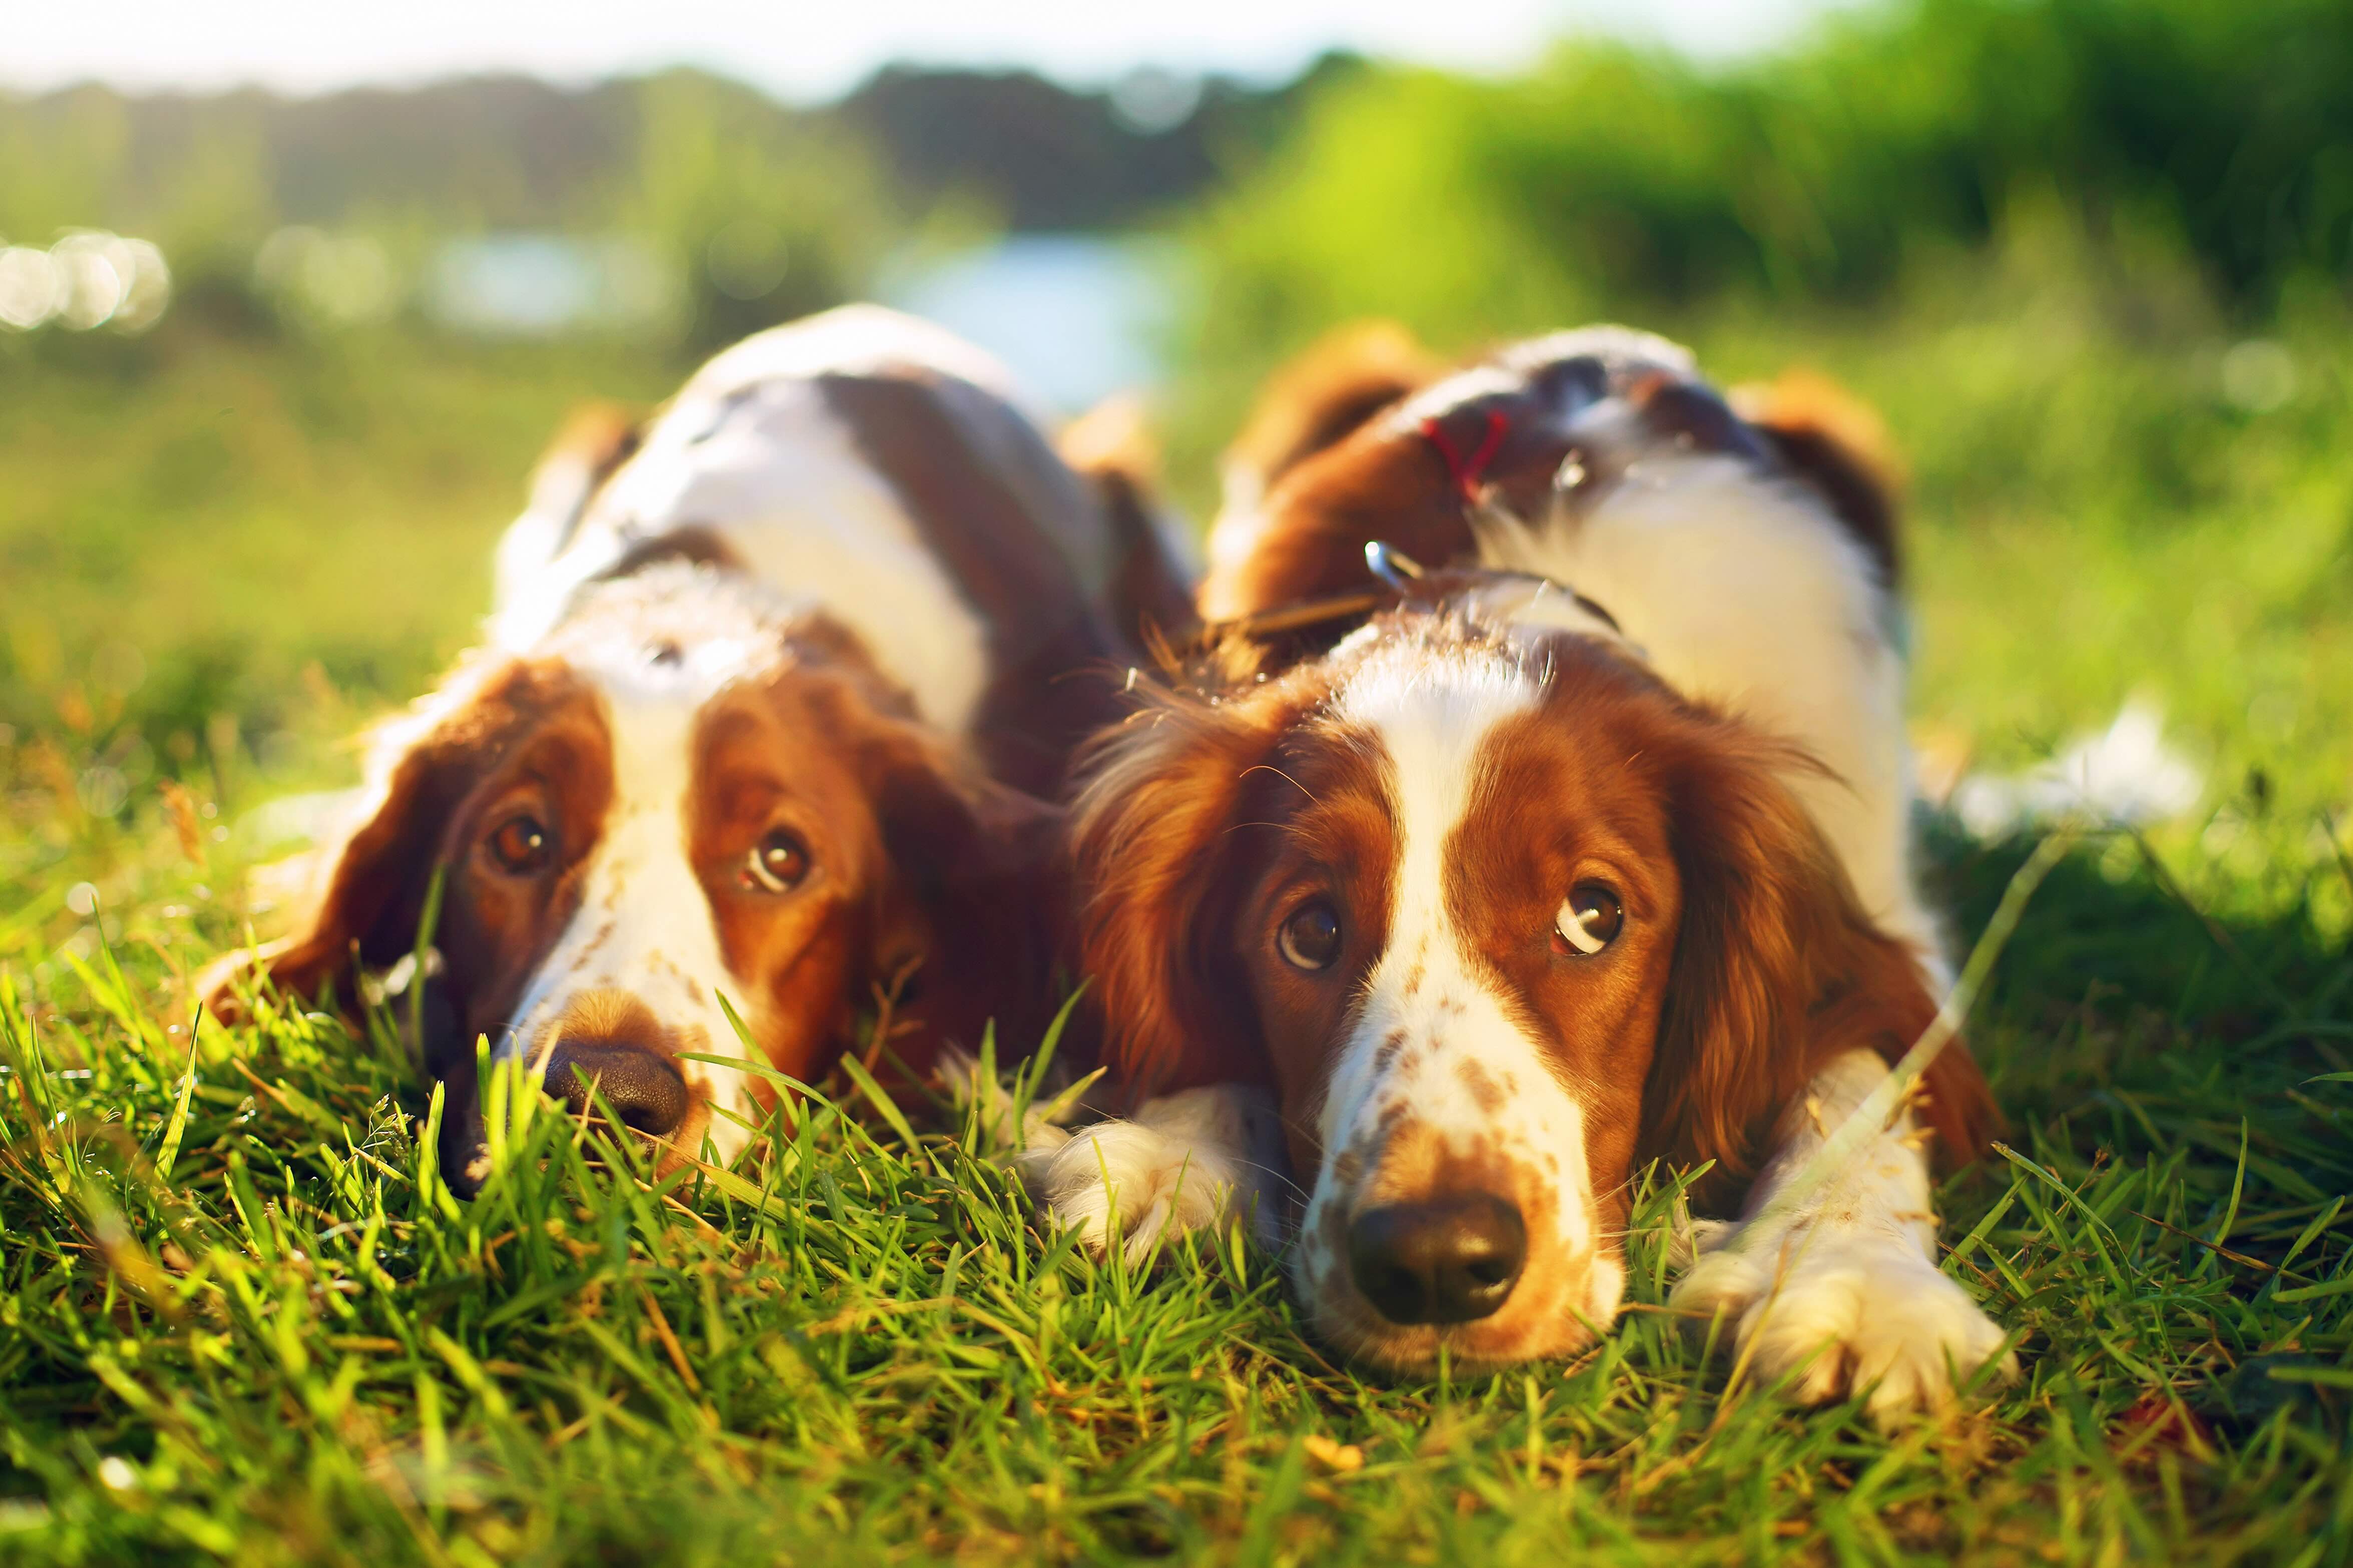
[1845, 1294]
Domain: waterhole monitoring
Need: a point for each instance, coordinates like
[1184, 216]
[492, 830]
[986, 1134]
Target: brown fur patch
[1112, 449]
[600, 436]
[1163, 837]
[1051, 651]
[1484, 1090]
[918, 865]
[694, 542]
[1329, 391]
[607, 1018]
[502, 736]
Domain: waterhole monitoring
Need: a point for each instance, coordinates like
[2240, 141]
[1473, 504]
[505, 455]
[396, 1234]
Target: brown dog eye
[777, 863]
[1310, 939]
[522, 844]
[1590, 918]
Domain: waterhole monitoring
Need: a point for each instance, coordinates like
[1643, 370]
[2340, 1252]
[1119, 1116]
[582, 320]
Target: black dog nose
[643, 1088]
[1447, 1261]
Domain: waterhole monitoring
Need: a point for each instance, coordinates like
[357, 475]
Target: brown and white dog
[770, 693]
[1512, 891]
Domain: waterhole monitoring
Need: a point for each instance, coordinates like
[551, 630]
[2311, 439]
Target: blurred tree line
[1619, 175]
[1631, 174]
[2139, 214]
[764, 210]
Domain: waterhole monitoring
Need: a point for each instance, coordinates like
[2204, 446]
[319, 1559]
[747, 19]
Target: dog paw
[1180, 1164]
[957, 1077]
[1845, 1316]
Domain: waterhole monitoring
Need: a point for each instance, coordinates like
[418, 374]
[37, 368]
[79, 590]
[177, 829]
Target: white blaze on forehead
[644, 925]
[1435, 1033]
[1432, 718]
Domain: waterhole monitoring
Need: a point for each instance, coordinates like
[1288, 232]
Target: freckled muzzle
[1419, 1247]
[1451, 1261]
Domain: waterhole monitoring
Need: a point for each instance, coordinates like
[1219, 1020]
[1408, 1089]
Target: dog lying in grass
[773, 686]
[1594, 855]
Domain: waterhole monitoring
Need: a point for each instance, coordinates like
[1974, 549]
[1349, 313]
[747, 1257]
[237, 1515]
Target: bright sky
[809, 50]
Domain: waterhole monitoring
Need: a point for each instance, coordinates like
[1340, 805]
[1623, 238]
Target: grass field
[240, 1319]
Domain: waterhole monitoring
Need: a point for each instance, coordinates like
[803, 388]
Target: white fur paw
[1182, 1163]
[1848, 1315]
[957, 1076]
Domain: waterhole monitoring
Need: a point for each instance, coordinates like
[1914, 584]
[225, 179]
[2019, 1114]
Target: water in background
[1076, 317]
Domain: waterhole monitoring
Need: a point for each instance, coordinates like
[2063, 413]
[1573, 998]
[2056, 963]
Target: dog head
[1499, 917]
[688, 791]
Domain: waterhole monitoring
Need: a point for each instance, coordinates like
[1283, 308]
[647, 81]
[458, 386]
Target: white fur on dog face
[644, 925]
[1437, 1088]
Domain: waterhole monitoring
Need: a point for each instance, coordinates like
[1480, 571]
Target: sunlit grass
[243, 1318]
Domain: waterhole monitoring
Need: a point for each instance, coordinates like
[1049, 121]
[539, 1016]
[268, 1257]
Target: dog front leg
[1842, 1287]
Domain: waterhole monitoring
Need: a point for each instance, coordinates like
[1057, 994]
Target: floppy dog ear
[367, 899]
[1321, 397]
[1150, 592]
[1151, 846]
[1777, 969]
[971, 907]
[1311, 404]
[368, 886]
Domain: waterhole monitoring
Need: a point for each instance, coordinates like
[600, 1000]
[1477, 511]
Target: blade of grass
[168, 1154]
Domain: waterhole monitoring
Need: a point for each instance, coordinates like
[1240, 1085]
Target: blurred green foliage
[764, 219]
[195, 517]
[1628, 180]
[2089, 258]
[760, 212]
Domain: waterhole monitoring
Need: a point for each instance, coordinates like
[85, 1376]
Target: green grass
[194, 518]
[239, 1319]
[243, 1319]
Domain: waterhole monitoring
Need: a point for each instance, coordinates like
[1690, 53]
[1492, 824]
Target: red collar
[1464, 471]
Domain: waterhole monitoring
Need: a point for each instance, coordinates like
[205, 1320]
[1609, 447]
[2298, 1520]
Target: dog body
[771, 689]
[1593, 854]
[882, 468]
